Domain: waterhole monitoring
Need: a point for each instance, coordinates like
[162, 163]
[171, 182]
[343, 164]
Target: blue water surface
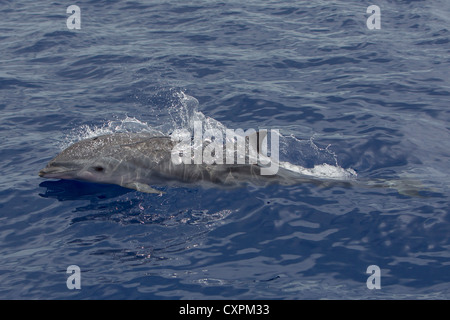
[374, 101]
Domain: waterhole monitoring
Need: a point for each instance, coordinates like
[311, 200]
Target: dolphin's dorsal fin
[142, 187]
[229, 179]
[256, 139]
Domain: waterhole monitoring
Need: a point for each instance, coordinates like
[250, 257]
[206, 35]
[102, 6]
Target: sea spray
[301, 156]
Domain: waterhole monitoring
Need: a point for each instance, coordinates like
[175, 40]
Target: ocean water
[349, 101]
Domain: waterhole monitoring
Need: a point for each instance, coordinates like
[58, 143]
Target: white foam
[129, 124]
[322, 171]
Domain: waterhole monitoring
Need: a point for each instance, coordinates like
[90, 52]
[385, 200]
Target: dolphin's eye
[99, 169]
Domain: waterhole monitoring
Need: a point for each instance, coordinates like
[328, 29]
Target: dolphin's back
[107, 144]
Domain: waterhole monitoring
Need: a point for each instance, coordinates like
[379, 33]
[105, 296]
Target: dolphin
[138, 160]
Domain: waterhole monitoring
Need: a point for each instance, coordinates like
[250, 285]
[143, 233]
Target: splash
[129, 124]
[311, 160]
[307, 158]
[322, 171]
[300, 156]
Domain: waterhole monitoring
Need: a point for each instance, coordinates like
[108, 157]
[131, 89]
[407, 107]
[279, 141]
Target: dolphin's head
[88, 160]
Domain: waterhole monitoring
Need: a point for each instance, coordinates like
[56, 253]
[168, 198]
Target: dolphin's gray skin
[135, 160]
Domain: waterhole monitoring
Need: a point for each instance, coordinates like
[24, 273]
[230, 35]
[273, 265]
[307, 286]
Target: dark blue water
[373, 101]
